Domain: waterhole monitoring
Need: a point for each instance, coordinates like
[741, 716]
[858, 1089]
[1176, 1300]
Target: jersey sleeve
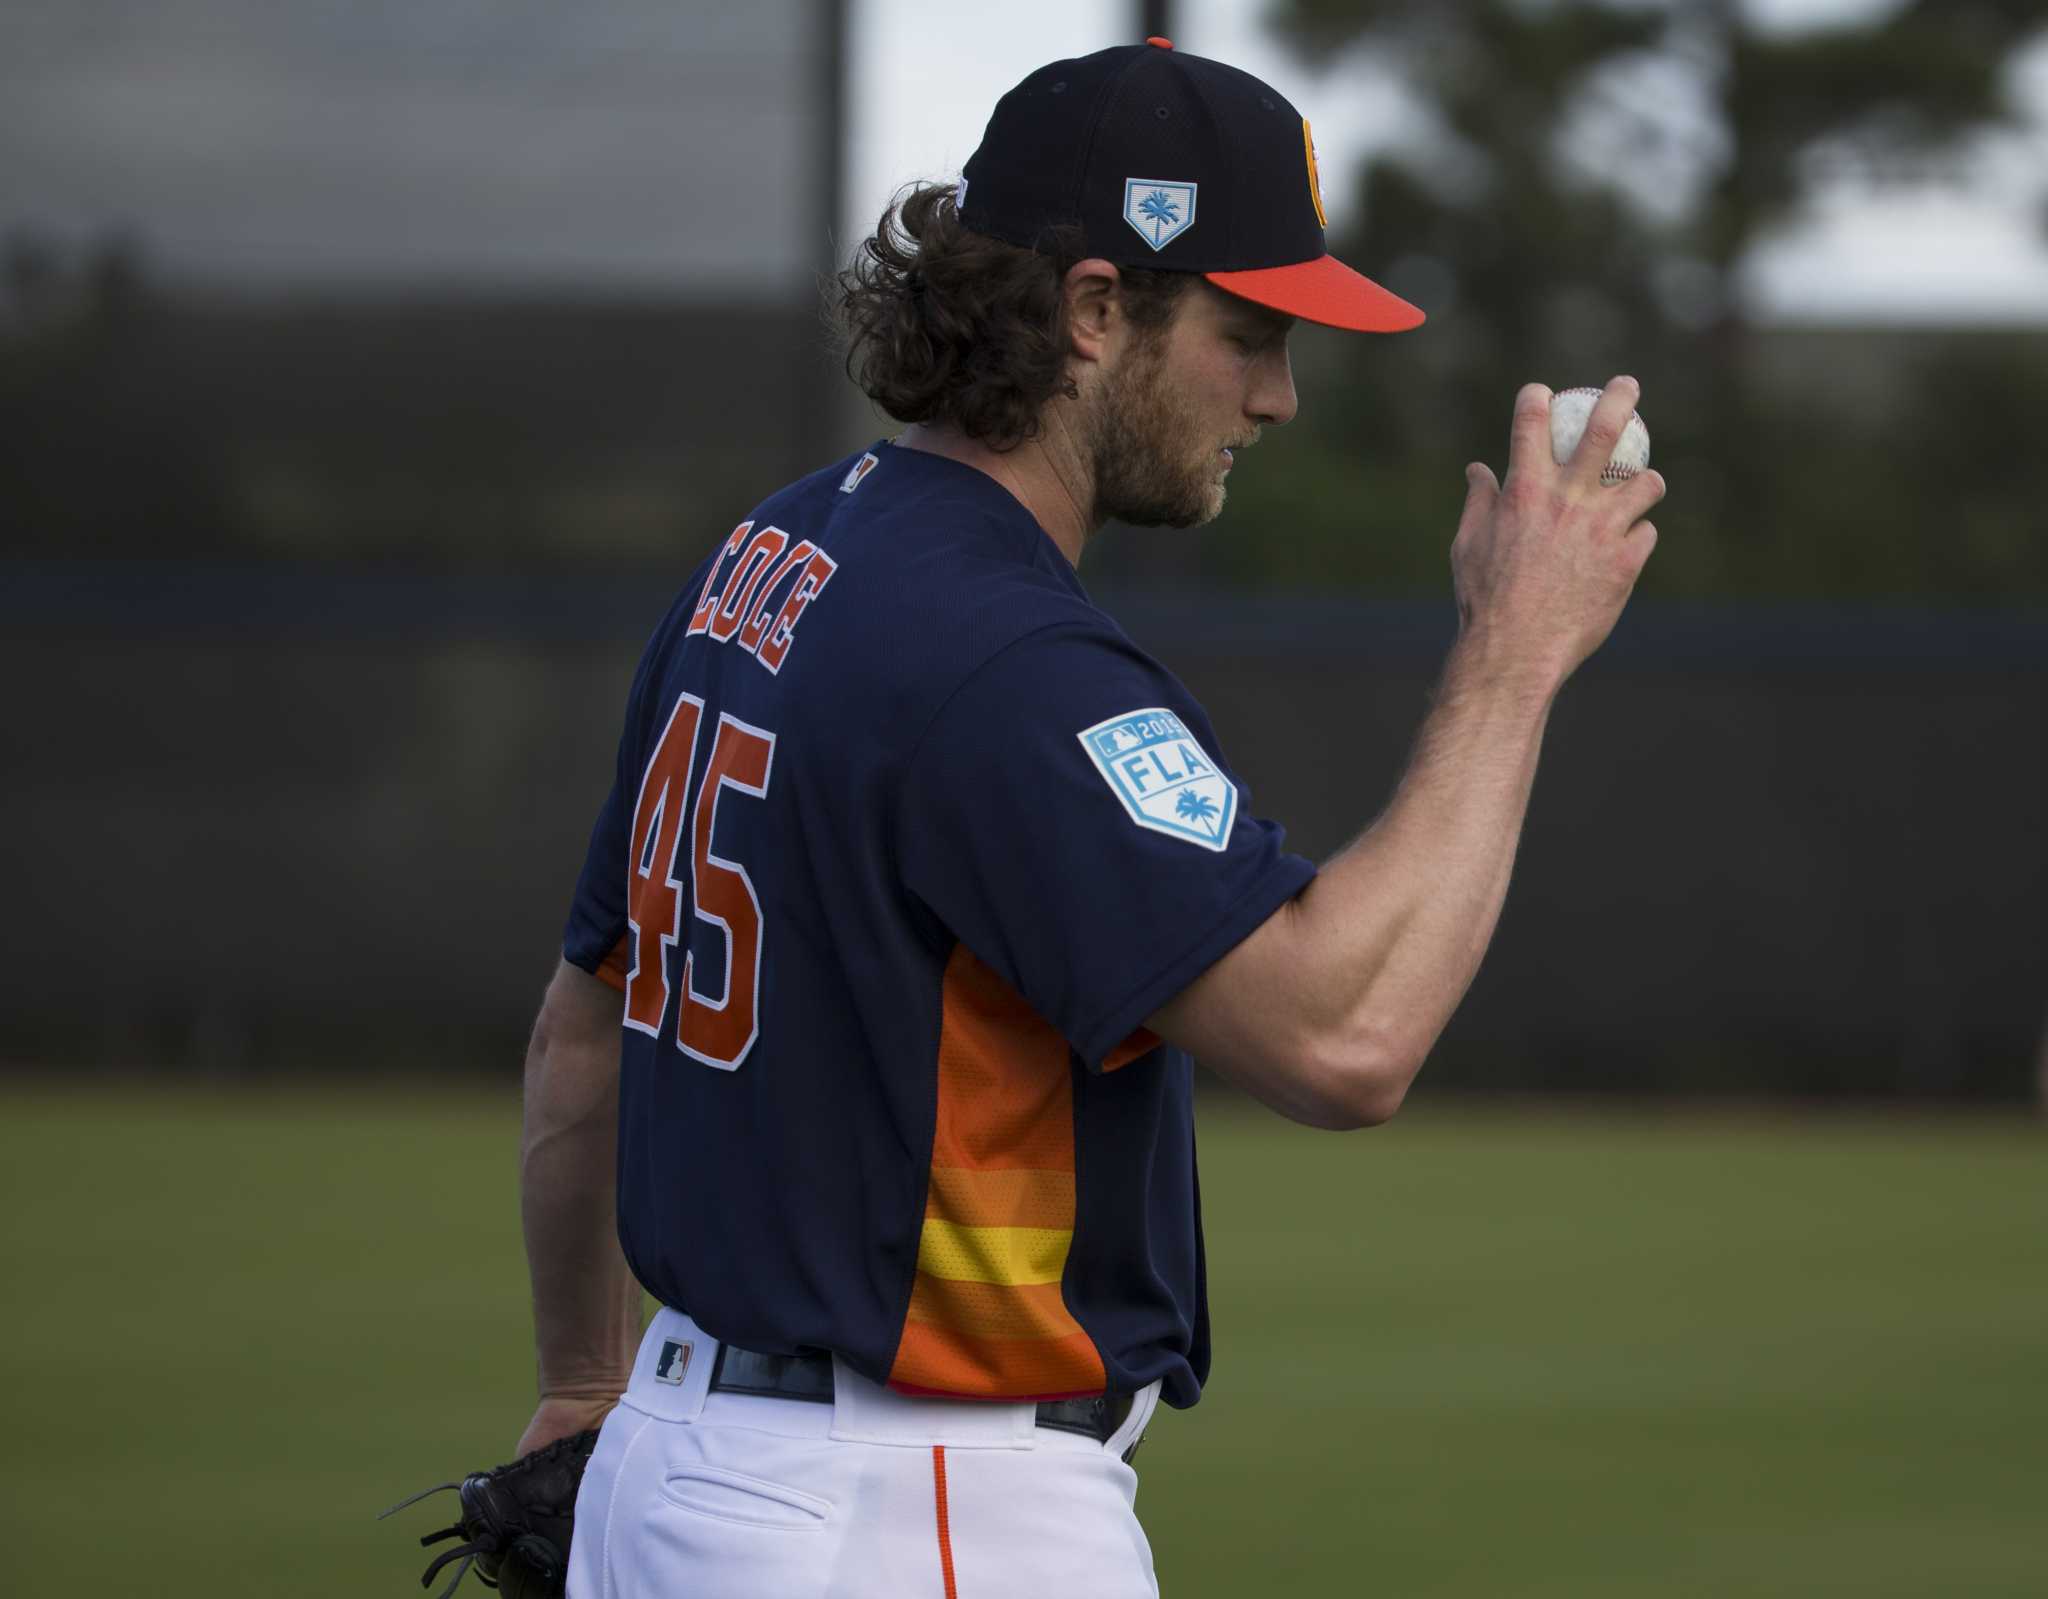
[593, 937]
[1068, 816]
[597, 915]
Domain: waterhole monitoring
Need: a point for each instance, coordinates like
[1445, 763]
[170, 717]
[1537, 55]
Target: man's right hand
[1544, 563]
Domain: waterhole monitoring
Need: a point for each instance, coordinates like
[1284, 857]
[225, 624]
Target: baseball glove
[515, 1522]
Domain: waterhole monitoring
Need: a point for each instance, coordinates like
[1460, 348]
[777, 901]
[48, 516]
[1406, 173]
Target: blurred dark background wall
[262, 821]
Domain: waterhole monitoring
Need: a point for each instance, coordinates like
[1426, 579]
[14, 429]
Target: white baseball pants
[877, 1495]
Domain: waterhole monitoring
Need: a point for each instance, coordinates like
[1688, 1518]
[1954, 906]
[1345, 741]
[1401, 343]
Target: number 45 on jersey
[717, 1032]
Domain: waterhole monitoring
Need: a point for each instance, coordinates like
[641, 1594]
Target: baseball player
[919, 884]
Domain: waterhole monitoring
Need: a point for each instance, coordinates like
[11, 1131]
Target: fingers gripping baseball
[1608, 435]
[1545, 562]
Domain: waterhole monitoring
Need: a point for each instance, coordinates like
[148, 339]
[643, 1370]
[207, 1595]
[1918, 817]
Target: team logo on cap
[1166, 781]
[1315, 181]
[1159, 210]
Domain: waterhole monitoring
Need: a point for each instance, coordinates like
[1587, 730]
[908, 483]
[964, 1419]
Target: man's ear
[1091, 288]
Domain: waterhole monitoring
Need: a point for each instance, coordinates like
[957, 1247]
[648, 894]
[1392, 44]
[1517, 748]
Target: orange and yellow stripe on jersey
[986, 1315]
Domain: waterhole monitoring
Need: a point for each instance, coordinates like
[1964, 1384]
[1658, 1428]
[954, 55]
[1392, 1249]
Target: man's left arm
[586, 1303]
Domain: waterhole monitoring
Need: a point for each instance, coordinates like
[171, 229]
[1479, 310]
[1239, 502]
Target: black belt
[744, 1371]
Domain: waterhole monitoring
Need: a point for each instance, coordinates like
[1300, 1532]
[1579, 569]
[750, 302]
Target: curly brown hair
[942, 324]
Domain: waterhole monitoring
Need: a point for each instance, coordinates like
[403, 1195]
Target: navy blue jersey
[906, 842]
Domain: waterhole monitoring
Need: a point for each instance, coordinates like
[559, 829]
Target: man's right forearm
[1328, 1010]
[586, 1303]
[1395, 926]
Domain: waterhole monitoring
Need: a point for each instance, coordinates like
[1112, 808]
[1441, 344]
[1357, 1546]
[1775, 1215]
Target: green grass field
[1477, 1352]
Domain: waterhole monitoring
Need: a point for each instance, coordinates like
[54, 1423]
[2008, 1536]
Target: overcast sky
[648, 143]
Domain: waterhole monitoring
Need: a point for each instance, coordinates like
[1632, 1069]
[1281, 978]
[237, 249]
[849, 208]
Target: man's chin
[1185, 515]
[1212, 507]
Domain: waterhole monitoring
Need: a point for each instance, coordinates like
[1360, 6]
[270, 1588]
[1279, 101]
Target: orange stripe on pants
[945, 1527]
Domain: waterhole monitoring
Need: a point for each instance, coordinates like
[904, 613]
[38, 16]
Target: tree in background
[1584, 183]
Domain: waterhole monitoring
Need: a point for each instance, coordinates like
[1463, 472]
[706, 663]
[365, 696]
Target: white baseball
[1570, 410]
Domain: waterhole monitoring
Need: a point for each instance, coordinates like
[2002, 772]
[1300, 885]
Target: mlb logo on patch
[1160, 211]
[674, 1361]
[859, 469]
[1165, 779]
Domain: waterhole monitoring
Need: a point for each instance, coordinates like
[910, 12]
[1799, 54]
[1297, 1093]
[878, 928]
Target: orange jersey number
[718, 1032]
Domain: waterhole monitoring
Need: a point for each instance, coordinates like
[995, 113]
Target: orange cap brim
[1324, 291]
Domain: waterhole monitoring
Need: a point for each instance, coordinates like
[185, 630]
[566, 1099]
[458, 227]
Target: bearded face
[1156, 464]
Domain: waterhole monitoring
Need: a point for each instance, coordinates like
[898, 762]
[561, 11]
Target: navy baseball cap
[1176, 163]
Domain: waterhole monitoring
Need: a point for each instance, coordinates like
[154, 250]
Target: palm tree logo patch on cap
[1315, 181]
[1160, 210]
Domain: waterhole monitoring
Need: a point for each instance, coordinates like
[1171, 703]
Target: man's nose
[1272, 397]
